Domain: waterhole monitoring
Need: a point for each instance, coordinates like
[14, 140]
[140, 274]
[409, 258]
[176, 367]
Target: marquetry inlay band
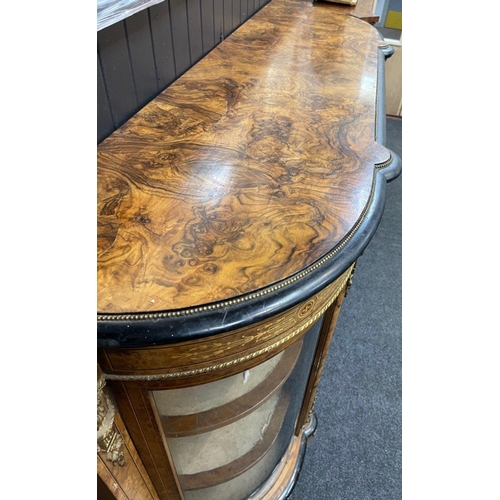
[187, 373]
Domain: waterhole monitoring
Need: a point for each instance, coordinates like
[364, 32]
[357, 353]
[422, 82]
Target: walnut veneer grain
[246, 172]
[248, 169]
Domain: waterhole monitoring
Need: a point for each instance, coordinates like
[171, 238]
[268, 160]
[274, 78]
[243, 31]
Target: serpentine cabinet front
[231, 211]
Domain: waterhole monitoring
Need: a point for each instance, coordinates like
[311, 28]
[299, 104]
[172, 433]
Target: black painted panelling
[105, 125]
[142, 55]
[195, 34]
[254, 5]
[219, 20]
[207, 29]
[236, 14]
[117, 73]
[161, 35]
[228, 17]
[180, 35]
[244, 10]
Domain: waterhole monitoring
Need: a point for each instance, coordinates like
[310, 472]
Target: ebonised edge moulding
[231, 212]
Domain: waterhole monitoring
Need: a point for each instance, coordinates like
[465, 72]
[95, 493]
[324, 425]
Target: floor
[356, 453]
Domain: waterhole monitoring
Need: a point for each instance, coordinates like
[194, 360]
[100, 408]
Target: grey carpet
[356, 451]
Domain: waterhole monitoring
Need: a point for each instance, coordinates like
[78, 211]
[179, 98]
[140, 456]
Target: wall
[394, 80]
[139, 57]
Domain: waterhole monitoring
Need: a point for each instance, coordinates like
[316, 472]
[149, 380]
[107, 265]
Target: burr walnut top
[250, 167]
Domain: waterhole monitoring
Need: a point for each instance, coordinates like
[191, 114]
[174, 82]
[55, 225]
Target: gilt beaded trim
[253, 295]
[227, 364]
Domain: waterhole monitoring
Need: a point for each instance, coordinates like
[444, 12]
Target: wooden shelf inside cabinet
[198, 423]
[229, 471]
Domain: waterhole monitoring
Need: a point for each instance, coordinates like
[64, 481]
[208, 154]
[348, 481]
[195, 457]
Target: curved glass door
[226, 437]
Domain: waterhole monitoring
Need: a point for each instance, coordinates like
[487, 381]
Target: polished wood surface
[248, 169]
[239, 181]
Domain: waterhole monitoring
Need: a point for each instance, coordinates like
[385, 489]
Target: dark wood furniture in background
[231, 211]
[364, 9]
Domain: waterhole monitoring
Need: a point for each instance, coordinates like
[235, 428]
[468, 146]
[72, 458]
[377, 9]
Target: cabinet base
[280, 483]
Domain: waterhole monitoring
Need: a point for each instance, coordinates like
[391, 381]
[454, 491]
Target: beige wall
[393, 82]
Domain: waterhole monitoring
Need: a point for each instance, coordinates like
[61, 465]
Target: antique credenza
[231, 211]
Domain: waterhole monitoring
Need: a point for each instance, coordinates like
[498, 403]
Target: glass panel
[226, 437]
